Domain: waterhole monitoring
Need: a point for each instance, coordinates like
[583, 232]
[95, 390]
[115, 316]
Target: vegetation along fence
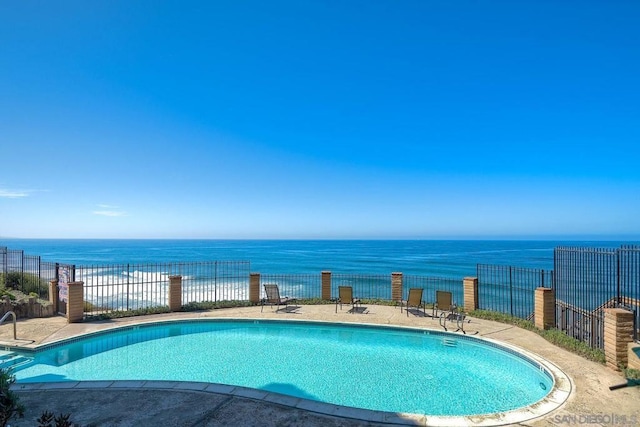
[27, 273]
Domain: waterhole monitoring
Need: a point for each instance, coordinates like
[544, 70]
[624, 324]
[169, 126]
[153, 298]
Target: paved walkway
[590, 401]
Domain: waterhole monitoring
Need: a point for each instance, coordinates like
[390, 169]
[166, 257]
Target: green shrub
[128, 313]
[7, 292]
[210, 305]
[10, 406]
[632, 374]
[26, 283]
[48, 419]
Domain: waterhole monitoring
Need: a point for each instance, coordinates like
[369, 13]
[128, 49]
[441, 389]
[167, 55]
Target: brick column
[53, 295]
[175, 293]
[470, 288]
[544, 308]
[618, 333]
[75, 303]
[326, 285]
[396, 287]
[254, 287]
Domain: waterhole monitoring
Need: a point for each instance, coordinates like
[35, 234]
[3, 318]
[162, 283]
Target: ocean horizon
[437, 258]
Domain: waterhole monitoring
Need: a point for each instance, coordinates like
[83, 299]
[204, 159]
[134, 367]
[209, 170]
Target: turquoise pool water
[388, 369]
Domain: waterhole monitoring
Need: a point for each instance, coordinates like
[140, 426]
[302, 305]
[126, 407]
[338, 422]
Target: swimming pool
[389, 369]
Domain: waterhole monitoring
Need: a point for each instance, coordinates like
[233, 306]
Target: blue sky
[320, 119]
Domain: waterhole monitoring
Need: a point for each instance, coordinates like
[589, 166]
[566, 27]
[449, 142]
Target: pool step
[13, 360]
[449, 342]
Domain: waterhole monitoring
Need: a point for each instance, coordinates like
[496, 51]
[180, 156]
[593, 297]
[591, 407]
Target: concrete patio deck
[140, 403]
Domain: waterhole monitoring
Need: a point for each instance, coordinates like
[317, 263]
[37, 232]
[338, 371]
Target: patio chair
[414, 299]
[272, 298]
[345, 296]
[444, 304]
[449, 311]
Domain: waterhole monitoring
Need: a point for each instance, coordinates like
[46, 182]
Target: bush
[25, 282]
[10, 406]
[128, 313]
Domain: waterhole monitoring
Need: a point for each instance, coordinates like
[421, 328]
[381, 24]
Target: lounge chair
[414, 300]
[273, 297]
[345, 296]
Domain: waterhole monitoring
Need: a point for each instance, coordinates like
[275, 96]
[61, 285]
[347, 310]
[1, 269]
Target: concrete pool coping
[578, 400]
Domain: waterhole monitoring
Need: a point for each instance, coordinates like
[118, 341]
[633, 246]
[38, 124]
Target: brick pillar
[544, 308]
[470, 289]
[326, 285]
[53, 295]
[175, 293]
[75, 303]
[618, 333]
[254, 287]
[396, 287]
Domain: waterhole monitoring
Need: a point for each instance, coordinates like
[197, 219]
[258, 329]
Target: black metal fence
[125, 287]
[365, 286]
[303, 286]
[588, 280]
[510, 290]
[585, 280]
[27, 273]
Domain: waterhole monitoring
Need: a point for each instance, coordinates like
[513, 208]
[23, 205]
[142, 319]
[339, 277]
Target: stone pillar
[544, 308]
[75, 303]
[175, 293]
[53, 295]
[470, 289]
[396, 287]
[618, 333]
[326, 285]
[254, 287]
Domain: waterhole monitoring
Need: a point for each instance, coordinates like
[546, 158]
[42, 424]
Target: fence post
[470, 287]
[254, 287]
[618, 332]
[175, 293]
[396, 287]
[544, 311]
[75, 302]
[53, 295]
[326, 285]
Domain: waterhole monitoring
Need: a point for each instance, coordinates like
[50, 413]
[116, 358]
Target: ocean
[435, 258]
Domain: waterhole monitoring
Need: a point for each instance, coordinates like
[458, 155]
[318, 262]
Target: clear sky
[320, 119]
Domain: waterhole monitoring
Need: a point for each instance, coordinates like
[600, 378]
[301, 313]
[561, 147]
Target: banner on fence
[63, 283]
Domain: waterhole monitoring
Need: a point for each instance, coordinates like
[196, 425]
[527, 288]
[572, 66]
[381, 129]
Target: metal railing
[365, 286]
[588, 280]
[585, 281]
[302, 286]
[27, 273]
[126, 287]
[510, 290]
